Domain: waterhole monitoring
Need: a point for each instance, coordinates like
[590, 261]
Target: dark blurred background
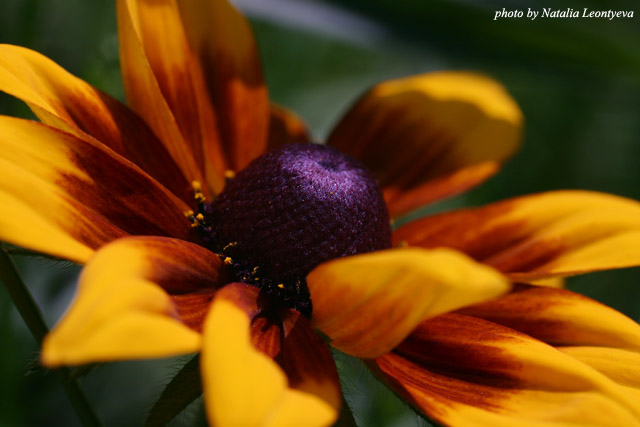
[577, 81]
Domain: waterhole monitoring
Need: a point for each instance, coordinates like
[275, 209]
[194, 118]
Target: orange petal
[301, 388]
[405, 200]
[285, 127]
[122, 309]
[139, 23]
[431, 136]
[461, 370]
[226, 48]
[66, 196]
[402, 286]
[68, 103]
[534, 237]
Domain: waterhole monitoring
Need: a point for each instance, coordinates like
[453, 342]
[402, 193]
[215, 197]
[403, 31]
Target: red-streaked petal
[180, 79]
[166, 48]
[285, 127]
[66, 196]
[534, 237]
[578, 326]
[402, 286]
[224, 43]
[64, 101]
[431, 136]
[244, 386]
[192, 307]
[122, 309]
[143, 90]
[560, 317]
[461, 370]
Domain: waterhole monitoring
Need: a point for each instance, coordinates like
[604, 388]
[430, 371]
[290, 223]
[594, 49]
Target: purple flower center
[292, 209]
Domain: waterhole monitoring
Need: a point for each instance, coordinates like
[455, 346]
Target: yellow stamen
[200, 217]
[229, 174]
[281, 285]
[228, 261]
[197, 186]
[230, 245]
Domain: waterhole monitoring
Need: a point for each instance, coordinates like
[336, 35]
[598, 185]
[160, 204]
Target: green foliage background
[577, 81]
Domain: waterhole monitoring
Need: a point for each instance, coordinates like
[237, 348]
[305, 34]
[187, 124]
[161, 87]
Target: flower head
[203, 229]
[292, 209]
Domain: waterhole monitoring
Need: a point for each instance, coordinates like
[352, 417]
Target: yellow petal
[245, 387]
[351, 295]
[431, 136]
[460, 371]
[226, 48]
[122, 309]
[622, 366]
[144, 92]
[551, 282]
[535, 237]
[68, 103]
[66, 196]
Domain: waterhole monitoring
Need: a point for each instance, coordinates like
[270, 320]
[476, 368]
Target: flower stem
[33, 318]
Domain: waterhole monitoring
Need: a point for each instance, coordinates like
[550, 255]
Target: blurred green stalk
[33, 318]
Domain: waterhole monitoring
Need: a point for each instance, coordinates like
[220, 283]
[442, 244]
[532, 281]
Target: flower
[125, 191]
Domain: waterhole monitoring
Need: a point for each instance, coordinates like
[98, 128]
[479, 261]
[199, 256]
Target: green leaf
[346, 418]
[32, 316]
[184, 388]
[84, 370]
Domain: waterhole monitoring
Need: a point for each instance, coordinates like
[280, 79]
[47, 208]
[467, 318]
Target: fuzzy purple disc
[296, 207]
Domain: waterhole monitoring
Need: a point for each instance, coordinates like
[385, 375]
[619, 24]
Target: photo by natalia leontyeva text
[549, 12]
